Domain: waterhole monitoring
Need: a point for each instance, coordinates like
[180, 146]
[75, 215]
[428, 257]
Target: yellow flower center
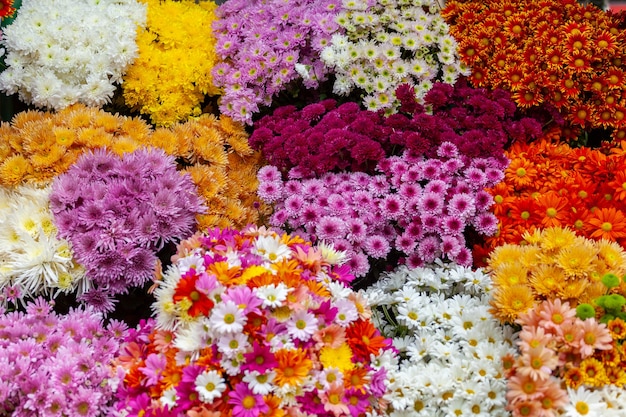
[606, 226]
[521, 171]
[248, 402]
[229, 318]
[582, 407]
[551, 212]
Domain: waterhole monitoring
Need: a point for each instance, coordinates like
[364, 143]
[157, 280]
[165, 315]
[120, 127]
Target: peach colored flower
[538, 363]
[554, 313]
[595, 337]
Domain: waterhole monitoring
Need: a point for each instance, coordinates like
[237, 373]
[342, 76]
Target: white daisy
[227, 317]
[260, 383]
[272, 295]
[210, 385]
[231, 344]
[271, 248]
[584, 402]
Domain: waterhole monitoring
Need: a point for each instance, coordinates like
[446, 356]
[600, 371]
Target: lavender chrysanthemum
[127, 209]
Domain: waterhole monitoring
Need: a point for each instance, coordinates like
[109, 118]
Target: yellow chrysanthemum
[339, 358]
[577, 260]
[503, 254]
[13, 170]
[511, 301]
[166, 82]
[508, 274]
[546, 280]
[557, 238]
[613, 255]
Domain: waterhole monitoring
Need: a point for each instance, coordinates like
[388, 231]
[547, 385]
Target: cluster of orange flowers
[549, 264]
[548, 51]
[216, 154]
[38, 146]
[549, 184]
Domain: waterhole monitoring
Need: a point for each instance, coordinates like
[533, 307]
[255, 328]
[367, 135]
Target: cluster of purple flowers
[326, 137]
[58, 365]
[264, 45]
[417, 206]
[118, 212]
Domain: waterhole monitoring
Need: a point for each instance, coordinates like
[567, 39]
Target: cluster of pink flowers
[419, 207]
[57, 365]
[118, 212]
[559, 352]
[263, 44]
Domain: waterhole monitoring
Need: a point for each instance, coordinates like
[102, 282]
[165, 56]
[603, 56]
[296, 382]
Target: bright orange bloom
[553, 208]
[618, 184]
[6, 9]
[364, 339]
[293, 366]
[607, 223]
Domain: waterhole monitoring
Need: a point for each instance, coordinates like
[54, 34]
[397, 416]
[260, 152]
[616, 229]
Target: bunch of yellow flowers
[549, 264]
[172, 75]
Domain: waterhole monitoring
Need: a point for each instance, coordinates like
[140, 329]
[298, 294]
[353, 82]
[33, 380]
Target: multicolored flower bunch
[253, 323]
[450, 347]
[215, 153]
[388, 43]
[327, 137]
[552, 52]
[267, 46]
[32, 259]
[172, 75]
[118, 212]
[568, 363]
[37, 146]
[58, 364]
[414, 206]
[6, 9]
[61, 52]
[548, 264]
[549, 184]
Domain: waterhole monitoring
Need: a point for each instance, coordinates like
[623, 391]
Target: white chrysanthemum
[164, 306]
[59, 58]
[31, 256]
[210, 385]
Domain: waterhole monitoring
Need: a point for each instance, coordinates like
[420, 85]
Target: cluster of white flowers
[32, 259]
[450, 345]
[388, 43]
[60, 52]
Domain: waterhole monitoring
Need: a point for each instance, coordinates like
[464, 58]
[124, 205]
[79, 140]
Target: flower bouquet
[385, 43]
[548, 184]
[172, 75]
[58, 364]
[265, 46]
[557, 54]
[567, 294]
[450, 347]
[253, 323]
[33, 260]
[118, 213]
[61, 52]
